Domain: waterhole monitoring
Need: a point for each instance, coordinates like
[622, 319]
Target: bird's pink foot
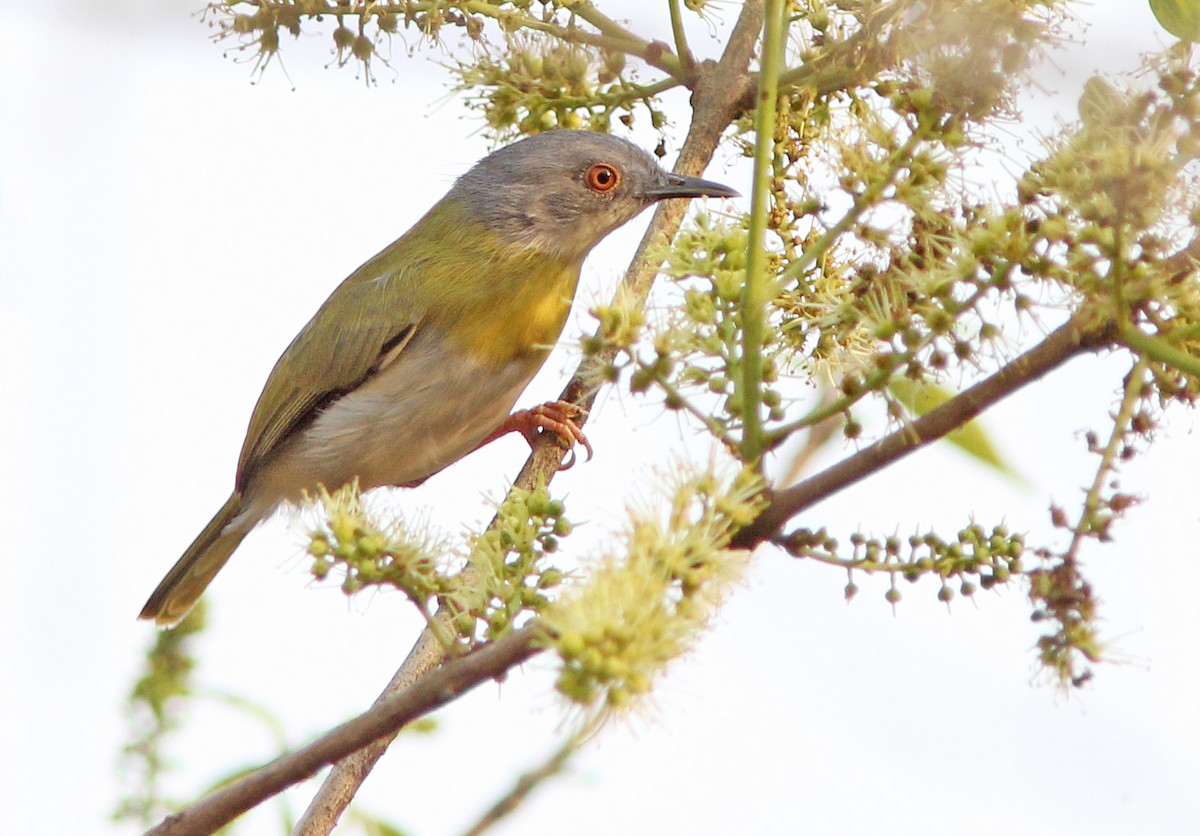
[557, 417]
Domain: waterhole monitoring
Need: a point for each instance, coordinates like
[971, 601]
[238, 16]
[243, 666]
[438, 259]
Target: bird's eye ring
[602, 178]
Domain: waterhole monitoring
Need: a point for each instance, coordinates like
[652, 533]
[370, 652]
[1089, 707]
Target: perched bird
[417, 358]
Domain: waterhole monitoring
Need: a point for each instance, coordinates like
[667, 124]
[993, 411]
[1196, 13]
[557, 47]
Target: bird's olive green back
[447, 273]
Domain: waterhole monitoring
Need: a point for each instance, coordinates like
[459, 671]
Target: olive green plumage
[419, 355]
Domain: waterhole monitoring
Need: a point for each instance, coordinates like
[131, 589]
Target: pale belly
[415, 417]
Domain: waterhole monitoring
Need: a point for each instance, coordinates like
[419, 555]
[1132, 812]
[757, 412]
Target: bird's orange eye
[602, 178]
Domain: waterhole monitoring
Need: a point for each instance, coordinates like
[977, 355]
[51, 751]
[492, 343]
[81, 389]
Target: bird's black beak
[679, 186]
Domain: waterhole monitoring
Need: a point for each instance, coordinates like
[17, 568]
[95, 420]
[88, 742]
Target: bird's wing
[362, 328]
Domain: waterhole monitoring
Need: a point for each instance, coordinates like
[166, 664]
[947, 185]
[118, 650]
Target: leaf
[1100, 100]
[971, 438]
[1179, 17]
[373, 825]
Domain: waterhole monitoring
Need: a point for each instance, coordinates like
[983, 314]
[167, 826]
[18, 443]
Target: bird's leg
[558, 417]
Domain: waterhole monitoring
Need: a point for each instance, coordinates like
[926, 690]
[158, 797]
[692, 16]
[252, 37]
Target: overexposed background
[166, 227]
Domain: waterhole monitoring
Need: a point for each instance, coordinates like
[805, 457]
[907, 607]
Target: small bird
[417, 358]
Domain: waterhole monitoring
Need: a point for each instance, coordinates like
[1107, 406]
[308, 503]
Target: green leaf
[373, 825]
[1100, 100]
[971, 438]
[1179, 17]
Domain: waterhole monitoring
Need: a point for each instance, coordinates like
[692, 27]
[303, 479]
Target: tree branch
[382, 720]
[718, 89]
[1077, 336]
[526, 784]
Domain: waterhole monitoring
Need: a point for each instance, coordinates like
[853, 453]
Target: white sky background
[166, 227]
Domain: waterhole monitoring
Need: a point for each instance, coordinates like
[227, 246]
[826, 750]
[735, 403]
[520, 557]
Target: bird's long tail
[192, 573]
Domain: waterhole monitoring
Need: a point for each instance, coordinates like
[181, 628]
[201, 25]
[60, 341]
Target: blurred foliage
[154, 712]
[158, 705]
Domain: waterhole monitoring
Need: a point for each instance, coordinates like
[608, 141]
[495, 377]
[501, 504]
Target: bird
[418, 357]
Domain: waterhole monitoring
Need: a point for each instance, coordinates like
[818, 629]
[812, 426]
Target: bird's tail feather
[192, 573]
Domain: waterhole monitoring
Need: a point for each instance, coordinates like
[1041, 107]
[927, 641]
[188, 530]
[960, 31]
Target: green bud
[464, 624]
[618, 697]
[637, 682]
[571, 645]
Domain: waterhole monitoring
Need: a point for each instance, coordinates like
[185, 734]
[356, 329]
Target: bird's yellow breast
[493, 298]
[523, 316]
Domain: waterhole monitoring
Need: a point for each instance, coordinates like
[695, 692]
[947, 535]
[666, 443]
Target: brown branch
[383, 719]
[1071, 339]
[717, 88]
[526, 784]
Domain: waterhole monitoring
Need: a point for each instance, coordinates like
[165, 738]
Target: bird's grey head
[561, 192]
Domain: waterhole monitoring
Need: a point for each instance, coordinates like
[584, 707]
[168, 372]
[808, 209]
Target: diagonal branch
[1079, 335]
[383, 719]
[526, 784]
[718, 94]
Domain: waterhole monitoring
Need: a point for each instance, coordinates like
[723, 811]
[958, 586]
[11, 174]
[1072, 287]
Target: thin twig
[681, 45]
[655, 53]
[1061, 345]
[383, 719]
[1135, 383]
[526, 784]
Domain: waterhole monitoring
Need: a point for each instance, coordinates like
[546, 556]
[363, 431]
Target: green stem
[1187, 332]
[624, 95]
[655, 54]
[642, 91]
[1159, 349]
[754, 292]
[681, 46]
[1135, 382]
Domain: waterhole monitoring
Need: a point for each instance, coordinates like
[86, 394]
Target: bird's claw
[557, 417]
